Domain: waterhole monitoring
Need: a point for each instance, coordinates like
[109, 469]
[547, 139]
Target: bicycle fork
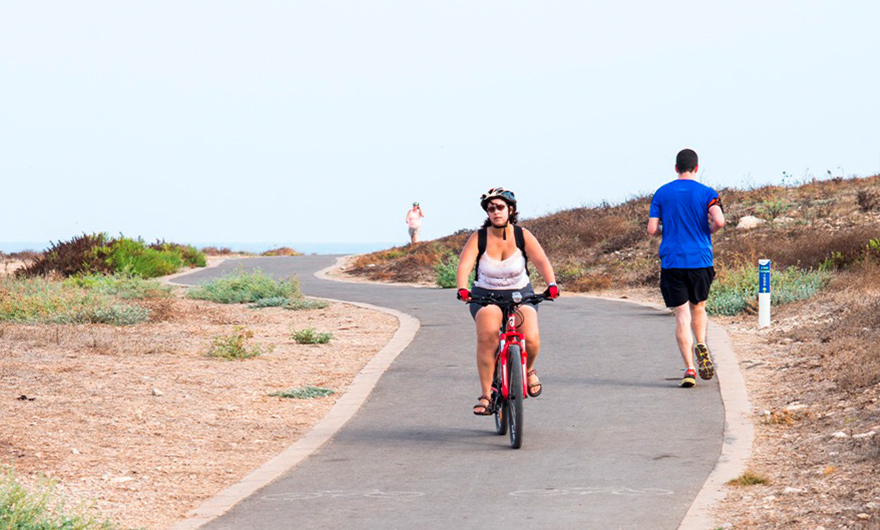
[507, 340]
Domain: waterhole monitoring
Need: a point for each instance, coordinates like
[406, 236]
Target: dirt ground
[139, 419]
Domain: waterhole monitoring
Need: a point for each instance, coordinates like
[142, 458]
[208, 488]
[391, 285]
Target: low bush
[121, 285]
[190, 255]
[310, 336]
[272, 301]
[736, 290]
[868, 200]
[41, 300]
[304, 392]
[281, 251]
[242, 287]
[236, 346]
[301, 304]
[69, 258]
[42, 507]
[100, 254]
[446, 271]
[749, 478]
[216, 251]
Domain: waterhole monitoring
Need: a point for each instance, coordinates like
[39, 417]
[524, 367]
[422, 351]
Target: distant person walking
[414, 221]
[686, 214]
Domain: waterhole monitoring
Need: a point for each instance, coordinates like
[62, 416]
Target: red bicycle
[510, 384]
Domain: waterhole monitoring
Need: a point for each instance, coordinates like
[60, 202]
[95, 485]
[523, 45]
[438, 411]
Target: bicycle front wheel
[516, 398]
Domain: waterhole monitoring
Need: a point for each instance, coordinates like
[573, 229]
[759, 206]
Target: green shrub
[306, 303]
[98, 253]
[272, 301]
[446, 270]
[310, 336]
[42, 507]
[190, 255]
[236, 346]
[243, 287]
[121, 285]
[133, 257]
[737, 289]
[40, 300]
[305, 392]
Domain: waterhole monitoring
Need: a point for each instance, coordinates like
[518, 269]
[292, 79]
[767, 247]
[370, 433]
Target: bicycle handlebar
[536, 298]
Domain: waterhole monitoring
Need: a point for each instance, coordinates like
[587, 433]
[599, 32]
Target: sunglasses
[496, 207]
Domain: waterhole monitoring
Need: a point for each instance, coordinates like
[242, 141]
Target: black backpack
[482, 234]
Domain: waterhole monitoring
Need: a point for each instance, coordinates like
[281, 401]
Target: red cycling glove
[464, 294]
[552, 291]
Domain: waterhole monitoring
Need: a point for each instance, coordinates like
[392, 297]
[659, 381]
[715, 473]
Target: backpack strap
[481, 248]
[521, 244]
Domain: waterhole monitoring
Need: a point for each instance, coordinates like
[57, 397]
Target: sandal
[483, 410]
[532, 391]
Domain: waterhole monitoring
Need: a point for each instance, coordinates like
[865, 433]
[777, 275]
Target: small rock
[783, 220]
[157, 392]
[749, 222]
[840, 434]
[769, 498]
[792, 490]
[75, 451]
[872, 506]
[864, 435]
[863, 516]
[120, 480]
[796, 406]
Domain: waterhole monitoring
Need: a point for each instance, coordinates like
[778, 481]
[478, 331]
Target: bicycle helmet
[498, 193]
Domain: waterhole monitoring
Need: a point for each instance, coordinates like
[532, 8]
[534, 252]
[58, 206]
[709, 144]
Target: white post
[763, 293]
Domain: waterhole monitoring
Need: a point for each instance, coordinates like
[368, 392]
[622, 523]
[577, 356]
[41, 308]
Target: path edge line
[343, 410]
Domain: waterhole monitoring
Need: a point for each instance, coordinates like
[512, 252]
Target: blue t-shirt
[683, 208]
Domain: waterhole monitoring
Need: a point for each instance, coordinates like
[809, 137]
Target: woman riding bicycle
[501, 263]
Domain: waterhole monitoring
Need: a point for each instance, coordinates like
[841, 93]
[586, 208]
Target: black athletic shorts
[506, 294]
[685, 285]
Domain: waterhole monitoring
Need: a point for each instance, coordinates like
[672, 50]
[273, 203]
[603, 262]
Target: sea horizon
[349, 247]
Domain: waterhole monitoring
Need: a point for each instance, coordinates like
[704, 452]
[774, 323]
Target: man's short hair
[686, 161]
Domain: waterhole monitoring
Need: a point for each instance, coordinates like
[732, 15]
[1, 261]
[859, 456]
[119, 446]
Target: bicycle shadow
[440, 436]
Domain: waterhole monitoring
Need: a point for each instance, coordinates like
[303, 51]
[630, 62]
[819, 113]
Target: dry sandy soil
[139, 419]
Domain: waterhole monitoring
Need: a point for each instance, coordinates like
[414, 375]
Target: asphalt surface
[612, 443]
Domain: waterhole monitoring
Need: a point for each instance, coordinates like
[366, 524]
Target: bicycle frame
[506, 338]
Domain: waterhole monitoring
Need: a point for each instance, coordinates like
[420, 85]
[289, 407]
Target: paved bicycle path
[613, 442]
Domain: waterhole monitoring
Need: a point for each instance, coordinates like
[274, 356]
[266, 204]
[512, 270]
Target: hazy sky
[324, 120]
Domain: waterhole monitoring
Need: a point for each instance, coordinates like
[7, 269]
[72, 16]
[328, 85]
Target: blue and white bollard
[763, 293]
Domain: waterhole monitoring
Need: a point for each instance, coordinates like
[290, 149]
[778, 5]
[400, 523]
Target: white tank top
[505, 274]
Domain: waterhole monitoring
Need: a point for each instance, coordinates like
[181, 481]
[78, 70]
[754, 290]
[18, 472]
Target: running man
[686, 214]
[414, 221]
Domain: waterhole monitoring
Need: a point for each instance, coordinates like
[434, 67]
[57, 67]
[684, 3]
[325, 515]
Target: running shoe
[690, 378]
[704, 362]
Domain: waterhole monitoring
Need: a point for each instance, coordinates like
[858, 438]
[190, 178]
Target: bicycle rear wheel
[516, 398]
[499, 403]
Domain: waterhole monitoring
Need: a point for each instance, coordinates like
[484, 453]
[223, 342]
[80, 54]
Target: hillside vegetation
[823, 236]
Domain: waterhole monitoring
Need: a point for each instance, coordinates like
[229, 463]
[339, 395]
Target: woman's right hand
[464, 295]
